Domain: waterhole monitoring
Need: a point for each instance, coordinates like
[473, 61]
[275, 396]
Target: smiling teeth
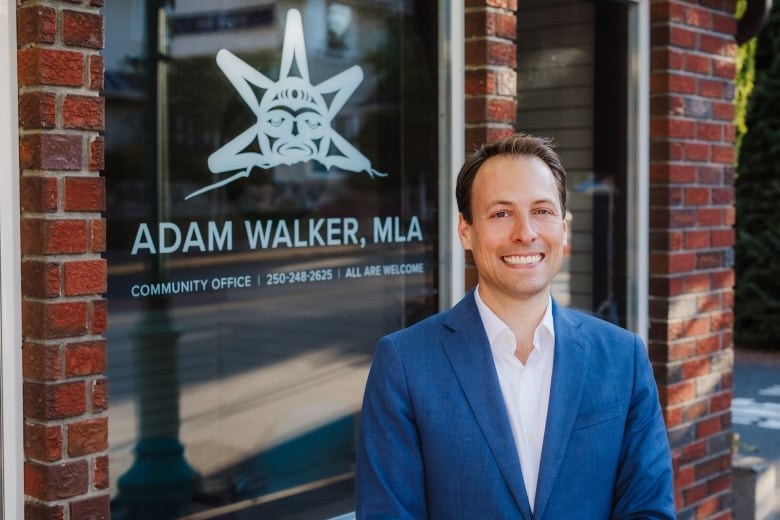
[523, 259]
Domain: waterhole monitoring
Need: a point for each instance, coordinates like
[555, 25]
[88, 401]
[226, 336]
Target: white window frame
[11, 433]
[452, 264]
[638, 239]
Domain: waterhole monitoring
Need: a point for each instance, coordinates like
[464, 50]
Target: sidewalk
[756, 413]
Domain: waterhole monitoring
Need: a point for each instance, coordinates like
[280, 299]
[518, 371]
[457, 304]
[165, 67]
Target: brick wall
[691, 278]
[490, 51]
[61, 116]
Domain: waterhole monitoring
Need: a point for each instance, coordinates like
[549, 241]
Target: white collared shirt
[525, 388]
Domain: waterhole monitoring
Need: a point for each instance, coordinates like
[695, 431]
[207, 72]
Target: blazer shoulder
[463, 314]
[595, 329]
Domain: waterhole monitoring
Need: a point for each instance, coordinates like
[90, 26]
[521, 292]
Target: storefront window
[574, 84]
[272, 182]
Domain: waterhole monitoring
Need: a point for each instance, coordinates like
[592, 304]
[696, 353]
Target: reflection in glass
[278, 283]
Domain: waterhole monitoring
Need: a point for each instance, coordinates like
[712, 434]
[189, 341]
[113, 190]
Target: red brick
[84, 194]
[38, 110]
[479, 82]
[708, 217]
[99, 395]
[38, 193]
[98, 318]
[712, 89]
[708, 344]
[56, 481]
[83, 112]
[41, 361]
[97, 238]
[82, 29]
[708, 507]
[681, 37]
[506, 25]
[723, 111]
[713, 466]
[42, 442]
[100, 472]
[720, 484]
[48, 320]
[696, 367]
[96, 72]
[40, 279]
[696, 151]
[46, 401]
[697, 63]
[697, 17]
[693, 452]
[723, 195]
[36, 25]
[85, 358]
[672, 417]
[84, 277]
[709, 302]
[41, 236]
[692, 411]
[51, 152]
[695, 494]
[696, 282]
[94, 508]
[97, 154]
[501, 110]
[720, 402]
[709, 131]
[697, 326]
[717, 45]
[39, 66]
[722, 279]
[86, 437]
[684, 477]
[42, 511]
[723, 154]
[697, 196]
[679, 393]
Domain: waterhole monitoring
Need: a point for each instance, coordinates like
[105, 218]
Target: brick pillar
[691, 239]
[61, 115]
[490, 79]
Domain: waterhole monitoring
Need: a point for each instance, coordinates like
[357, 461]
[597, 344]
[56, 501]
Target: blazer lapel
[568, 383]
[469, 354]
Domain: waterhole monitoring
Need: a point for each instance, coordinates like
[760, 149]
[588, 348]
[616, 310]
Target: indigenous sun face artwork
[293, 117]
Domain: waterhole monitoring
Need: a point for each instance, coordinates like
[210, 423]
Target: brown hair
[515, 145]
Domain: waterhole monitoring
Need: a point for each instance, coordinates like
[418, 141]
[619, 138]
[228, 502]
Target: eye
[276, 121]
[501, 214]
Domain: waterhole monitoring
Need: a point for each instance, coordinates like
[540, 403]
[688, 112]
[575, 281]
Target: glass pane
[272, 184]
[572, 72]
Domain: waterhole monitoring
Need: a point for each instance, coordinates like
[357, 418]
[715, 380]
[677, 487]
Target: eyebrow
[503, 202]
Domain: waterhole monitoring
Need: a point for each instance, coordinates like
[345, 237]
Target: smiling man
[509, 405]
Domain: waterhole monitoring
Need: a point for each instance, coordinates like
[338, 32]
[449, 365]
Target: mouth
[523, 259]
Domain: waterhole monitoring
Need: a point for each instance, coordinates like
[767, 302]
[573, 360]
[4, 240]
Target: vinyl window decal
[293, 117]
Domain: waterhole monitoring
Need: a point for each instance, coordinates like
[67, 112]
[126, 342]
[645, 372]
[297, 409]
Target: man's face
[518, 231]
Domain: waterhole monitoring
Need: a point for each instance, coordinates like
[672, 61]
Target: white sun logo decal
[293, 118]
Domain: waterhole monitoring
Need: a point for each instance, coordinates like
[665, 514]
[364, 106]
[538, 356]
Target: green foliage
[757, 250]
[745, 78]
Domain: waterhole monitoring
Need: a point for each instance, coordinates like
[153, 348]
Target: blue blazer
[435, 440]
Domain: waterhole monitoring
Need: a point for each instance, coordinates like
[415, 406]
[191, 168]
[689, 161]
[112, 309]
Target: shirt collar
[544, 334]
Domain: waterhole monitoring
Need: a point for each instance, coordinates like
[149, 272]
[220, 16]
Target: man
[509, 405]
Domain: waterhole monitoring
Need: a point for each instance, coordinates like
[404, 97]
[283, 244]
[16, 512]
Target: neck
[522, 316]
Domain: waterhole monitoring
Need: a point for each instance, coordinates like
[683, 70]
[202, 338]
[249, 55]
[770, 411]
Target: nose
[524, 230]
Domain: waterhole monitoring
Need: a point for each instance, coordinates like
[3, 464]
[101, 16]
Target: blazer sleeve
[644, 486]
[389, 479]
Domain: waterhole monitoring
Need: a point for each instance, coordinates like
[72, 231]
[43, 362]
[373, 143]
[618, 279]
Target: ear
[464, 230]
